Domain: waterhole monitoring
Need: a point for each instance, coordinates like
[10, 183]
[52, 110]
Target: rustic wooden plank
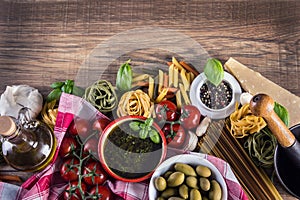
[42, 41]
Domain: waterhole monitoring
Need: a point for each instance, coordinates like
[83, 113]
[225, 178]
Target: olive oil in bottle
[27, 145]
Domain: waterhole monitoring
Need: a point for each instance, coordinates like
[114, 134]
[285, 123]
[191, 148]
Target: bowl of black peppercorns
[215, 101]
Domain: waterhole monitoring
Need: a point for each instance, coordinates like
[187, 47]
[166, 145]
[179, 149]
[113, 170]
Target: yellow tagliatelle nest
[243, 122]
[134, 103]
[49, 113]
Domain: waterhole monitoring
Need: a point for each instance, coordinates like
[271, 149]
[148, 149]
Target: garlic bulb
[245, 98]
[18, 96]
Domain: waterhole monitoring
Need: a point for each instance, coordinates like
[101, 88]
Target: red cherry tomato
[72, 192]
[100, 124]
[166, 110]
[91, 146]
[68, 145]
[190, 116]
[80, 127]
[174, 134]
[69, 169]
[101, 192]
[94, 174]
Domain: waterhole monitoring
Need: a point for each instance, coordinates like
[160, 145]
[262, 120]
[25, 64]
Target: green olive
[175, 198]
[169, 192]
[185, 168]
[203, 171]
[160, 183]
[160, 198]
[204, 184]
[215, 192]
[184, 191]
[195, 195]
[192, 182]
[167, 174]
[175, 179]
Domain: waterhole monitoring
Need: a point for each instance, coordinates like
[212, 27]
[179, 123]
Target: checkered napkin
[48, 184]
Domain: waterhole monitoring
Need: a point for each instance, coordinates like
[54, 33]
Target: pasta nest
[49, 113]
[243, 122]
[135, 103]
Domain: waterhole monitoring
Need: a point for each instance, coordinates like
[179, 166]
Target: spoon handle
[263, 105]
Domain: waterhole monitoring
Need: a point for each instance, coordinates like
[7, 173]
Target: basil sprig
[124, 77]
[214, 71]
[67, 86]
[282, 113]
[145, 129]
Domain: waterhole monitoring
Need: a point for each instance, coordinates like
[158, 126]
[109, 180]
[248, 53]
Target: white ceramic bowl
[191, 159]
[215, 113]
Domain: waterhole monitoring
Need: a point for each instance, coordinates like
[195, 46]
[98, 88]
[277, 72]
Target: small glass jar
[27, 144]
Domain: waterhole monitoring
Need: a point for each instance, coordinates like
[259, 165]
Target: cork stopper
[7, 126]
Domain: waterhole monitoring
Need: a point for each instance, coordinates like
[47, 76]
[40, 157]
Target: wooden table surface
[43, 41]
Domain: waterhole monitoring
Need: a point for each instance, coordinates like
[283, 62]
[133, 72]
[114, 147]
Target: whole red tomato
[100, 124]
[190, 116]
[69, 169]
[101, 192]
[80, 127]
[174, 134]
[72, 192]
[68, 145]
[91, 146]
[166, 110]
[93, 173]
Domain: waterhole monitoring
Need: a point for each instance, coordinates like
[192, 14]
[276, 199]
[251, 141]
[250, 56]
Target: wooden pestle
[263, 105]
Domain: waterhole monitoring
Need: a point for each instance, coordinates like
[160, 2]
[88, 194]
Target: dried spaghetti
[134, 103]
[243, 122]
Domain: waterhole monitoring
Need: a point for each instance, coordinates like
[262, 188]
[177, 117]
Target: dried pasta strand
[160, 80]
[140, 77]
[171, 73]
[162, 95]
[176, 63]
[175, 77]
[178, 100]
[151, 87]
[184, 94]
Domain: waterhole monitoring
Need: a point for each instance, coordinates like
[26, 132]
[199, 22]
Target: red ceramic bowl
[123, 154]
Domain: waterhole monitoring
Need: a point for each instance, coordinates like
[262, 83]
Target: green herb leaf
[143, 134]
[214, 71]
[78, 91]
[58, 84]
[54, 95]
[282, 113]
[135, 126]
[149, 122]
[69, 82]
[68, 89]
[124, 77]
[154, 136]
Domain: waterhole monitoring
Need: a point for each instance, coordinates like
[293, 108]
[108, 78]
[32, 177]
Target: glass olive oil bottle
[27, 145]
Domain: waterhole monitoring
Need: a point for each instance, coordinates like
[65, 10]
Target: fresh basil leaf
[149, 122]
[124, 77]
[135, 126]
[69, 82]
[68, 89]
[58, 84]
[282, 113]
[154, 136]
[54, 95]
[78, 91]
[214, 71]
[143, 134]
[63, 88]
